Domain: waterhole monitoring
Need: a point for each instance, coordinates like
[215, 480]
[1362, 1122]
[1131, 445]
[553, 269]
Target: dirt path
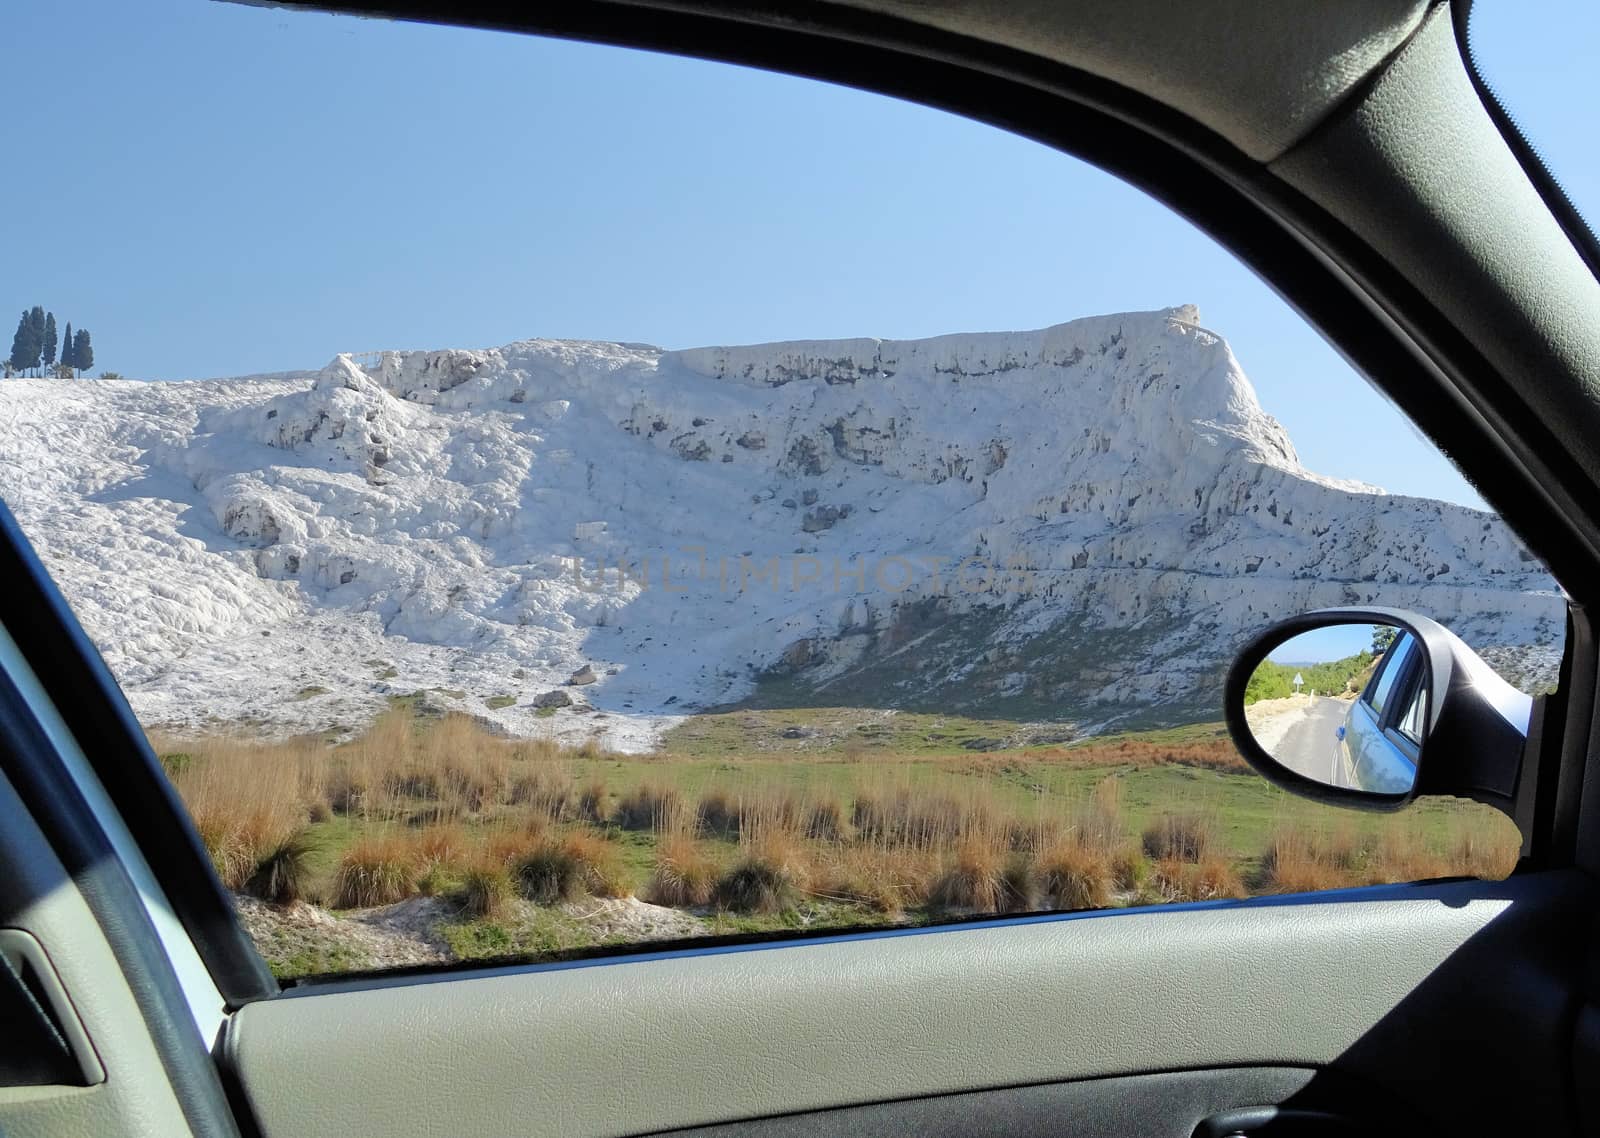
[304, 939]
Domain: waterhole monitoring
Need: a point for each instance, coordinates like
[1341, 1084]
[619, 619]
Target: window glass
[1538, 60]
[1410, 723]
[1393, 668]
[648, 499]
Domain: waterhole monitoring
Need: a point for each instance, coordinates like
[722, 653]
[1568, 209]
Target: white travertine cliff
[1077, 523]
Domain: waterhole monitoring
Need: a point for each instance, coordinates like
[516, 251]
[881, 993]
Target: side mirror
[1369, 707]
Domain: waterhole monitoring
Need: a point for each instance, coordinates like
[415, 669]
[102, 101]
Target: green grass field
[793, 817]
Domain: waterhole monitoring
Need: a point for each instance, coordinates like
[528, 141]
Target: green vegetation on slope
[1272, 680]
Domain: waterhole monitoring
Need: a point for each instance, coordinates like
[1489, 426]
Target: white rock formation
[1080, 522]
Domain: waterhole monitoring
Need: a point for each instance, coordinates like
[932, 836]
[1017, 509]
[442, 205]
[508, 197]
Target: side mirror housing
[1404, 708]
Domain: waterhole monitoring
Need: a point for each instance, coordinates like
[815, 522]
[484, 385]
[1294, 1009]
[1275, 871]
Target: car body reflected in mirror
[1343, 705]
[1369, 707]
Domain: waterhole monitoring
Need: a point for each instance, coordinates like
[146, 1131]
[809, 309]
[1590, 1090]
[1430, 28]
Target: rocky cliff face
[1076, 523]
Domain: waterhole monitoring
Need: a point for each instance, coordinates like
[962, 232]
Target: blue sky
[224, 189]
[1322, 645]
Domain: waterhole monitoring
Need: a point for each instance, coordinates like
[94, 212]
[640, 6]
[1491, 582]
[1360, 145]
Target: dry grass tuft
[768, 878]
[717, 814]
[920, 818]
[545, 791]
[440, 846]
[799, 815]
[375, 871]
[592, 802]
[281, 875]
[1130, 870]
[685, 874]
[1180, 837]
[1403, 855]
[1209, 880]
[652, 806]
[1073, 876]
[440, 851]
[883, 880]
[820, 819]
[1486, 852]
[1300, 861]
[984, 878]
[486, 891]
[756, 886]
[570, 867]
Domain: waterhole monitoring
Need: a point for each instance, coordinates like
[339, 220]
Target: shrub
[375, 871]
[1179, 837]
[175, 763]
[1210, 754]
[279, 877]
[684, 874]
[1073, 877]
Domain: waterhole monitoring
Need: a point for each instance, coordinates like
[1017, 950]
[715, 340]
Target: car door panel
[690, 1039]
[1162, 1104]
[133, 1094]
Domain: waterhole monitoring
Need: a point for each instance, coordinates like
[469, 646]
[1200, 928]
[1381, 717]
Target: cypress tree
[19, 345]
[82, 351]
[66, 350]
[49, 340]
[35, 343]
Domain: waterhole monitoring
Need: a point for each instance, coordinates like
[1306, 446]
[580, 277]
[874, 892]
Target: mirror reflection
[1345, 705]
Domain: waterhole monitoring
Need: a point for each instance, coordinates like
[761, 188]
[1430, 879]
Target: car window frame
[1248, 234]
[1393, 658]
[1398, 705]
[1416, 697]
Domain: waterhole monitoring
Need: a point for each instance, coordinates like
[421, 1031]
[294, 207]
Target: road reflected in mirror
[1344, 705]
